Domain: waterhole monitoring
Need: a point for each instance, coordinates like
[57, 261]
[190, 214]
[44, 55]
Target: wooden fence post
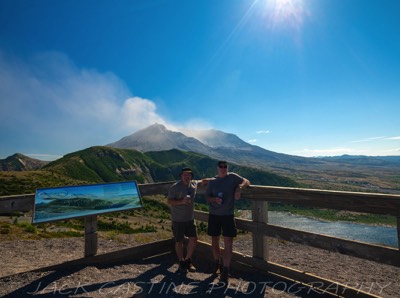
[398, 232]
[90, 235]
[260, 217]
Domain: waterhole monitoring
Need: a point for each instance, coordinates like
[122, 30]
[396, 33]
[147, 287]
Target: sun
[284, 12]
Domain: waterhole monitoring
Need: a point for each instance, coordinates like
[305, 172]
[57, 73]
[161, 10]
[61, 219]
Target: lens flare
[287, 13]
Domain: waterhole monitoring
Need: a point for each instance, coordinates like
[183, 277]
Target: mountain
[20, 162]
[216, 138]
[157, 138]
[349, 173]
[104, 164]
[213, 143]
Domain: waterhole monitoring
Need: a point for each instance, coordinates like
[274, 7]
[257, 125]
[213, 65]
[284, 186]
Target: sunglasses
[223, 167]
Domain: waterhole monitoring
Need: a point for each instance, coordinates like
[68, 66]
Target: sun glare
[284, 12]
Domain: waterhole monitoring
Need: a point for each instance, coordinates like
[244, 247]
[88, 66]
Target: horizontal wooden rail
[340, 200]
[352, 201]
[381, 254]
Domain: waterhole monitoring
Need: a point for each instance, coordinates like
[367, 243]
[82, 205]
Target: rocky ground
[155, 277]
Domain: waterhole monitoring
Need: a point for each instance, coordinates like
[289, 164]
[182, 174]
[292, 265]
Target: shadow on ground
[156, 278]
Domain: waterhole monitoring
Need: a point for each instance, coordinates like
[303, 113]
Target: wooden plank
[315, 282]
[155, 188]
[340, 200]
[16, 203]
[380, 254]
[201, 215]
[398, 232]
[90, 236]
[352, 201]
[365, 201]
[260, 216]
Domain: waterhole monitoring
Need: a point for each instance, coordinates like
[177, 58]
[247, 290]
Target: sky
[301, 77]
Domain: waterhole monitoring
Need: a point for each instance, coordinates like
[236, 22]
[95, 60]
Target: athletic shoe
[224, 277]
[217, 267]
[182, 267]
[189, 266]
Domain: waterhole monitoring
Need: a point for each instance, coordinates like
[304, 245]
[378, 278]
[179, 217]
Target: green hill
[104, 164]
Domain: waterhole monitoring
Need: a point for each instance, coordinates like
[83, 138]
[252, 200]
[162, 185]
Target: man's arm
[173, 198]
[245, 183]
[211, 200]
[238, 189]
[173, 202]
[203, 182]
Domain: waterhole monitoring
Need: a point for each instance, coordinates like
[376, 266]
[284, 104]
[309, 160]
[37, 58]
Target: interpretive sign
[60, 203]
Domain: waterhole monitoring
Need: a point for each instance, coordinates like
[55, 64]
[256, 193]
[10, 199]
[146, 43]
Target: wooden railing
[260, 228]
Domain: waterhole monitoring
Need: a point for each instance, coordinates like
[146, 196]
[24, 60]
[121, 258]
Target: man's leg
[215, 248]
[228, 245]
[179, 250]
[191, 247]
[214, 230]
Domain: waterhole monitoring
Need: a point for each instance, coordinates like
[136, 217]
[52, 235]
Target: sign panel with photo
[60, 203]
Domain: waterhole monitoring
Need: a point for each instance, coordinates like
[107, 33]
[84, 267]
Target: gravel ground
[155, 277]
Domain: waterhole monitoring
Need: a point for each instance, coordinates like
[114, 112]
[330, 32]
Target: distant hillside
[104, 164]
[391, 161]
[20, 162]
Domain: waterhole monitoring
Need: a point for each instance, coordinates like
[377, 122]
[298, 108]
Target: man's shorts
[226, 223]
[182, 229]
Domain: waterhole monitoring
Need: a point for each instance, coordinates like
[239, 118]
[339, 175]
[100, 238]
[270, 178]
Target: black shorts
[182, 229]
[226, 223]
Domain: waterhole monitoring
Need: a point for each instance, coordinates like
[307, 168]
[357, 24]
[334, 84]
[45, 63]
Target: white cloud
[252, 141]
[48, 104]
[51, 89]
[138, 113]
[52, 107]
[376, 139]
[369, 139]
[263, 132]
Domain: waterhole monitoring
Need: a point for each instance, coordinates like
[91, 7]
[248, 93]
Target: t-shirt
[224, 188]
[178, 191]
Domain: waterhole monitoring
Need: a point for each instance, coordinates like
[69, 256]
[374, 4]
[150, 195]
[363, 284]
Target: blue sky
[308, 78]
